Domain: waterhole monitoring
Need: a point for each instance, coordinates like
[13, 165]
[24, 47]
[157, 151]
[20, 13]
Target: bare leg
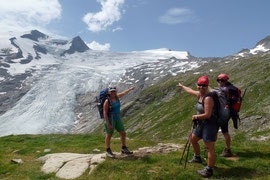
[210, 146]
[123, 138]
[108, 140]
[227, 138]
[194, 141]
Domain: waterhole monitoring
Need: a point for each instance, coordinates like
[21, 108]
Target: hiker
[223, 82]
[206, 125]
[113, 121]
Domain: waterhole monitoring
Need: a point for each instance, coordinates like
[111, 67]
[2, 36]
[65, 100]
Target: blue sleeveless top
[115, 111]
[115, 107]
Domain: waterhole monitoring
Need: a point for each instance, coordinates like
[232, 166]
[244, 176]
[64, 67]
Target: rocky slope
[163, 111]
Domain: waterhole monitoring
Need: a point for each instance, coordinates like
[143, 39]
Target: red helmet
[203, 80]
[223, 76]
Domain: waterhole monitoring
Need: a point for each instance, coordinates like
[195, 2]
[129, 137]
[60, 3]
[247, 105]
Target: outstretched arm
[189, 90]
[125, 92]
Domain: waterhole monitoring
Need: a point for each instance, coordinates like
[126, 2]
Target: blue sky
[205, 28]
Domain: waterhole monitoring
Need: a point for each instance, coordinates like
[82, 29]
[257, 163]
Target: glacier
[48, 107]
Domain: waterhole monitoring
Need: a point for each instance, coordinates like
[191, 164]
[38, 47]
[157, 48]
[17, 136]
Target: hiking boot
[226, 153]
[126, 151]
[206, 172]
[196, 159]
[109, 153]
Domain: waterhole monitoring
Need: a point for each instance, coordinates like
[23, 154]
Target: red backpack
[235, 101]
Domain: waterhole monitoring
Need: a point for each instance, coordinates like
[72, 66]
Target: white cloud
[28, 14]
[117, 29]
[110, 13]
[96, 46]
[177, 15]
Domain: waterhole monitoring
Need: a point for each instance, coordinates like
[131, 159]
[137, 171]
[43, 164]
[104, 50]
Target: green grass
[163, 111]
[253, 163]
[26, 147]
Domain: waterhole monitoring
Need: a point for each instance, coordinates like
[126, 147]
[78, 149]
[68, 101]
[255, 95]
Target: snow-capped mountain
[261, 47]
[41, 76]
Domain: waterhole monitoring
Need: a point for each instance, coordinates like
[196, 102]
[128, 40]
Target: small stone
[15, 151]
[38, 151]
[96, 150]
[98, 158]
[92, 168]
[47, 150]
[17, 161]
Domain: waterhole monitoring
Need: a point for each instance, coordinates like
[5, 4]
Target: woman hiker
[223, 82]
[111, 111]
[207, 127]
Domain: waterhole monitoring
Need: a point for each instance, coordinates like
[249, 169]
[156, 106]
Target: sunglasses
[221, 80]
[203, 85]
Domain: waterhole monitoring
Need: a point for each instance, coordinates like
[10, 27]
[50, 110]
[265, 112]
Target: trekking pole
[184, 150]
[187, 155]
[242, 100]
[194, 124]
[187, 144]
[243, 95]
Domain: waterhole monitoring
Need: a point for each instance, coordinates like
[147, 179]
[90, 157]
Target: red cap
[223, 76]
[203, 80]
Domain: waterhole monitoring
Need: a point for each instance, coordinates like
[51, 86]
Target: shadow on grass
[234, 172]
[254, 154]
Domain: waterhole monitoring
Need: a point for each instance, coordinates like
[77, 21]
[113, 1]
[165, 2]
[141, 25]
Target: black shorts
[206, 131]
[225, 128]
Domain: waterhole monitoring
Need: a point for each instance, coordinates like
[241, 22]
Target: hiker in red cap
[206, 125]
[223, 82]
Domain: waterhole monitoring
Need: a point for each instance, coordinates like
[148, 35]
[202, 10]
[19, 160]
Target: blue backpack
[103, 95]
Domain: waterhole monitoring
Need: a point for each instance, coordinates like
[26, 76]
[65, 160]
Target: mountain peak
[77, 45]
[265, 42]
[35, 35]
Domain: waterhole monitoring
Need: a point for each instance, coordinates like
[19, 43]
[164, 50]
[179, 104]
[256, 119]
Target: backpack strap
[198, 97]
[216, 102]
[110, 104]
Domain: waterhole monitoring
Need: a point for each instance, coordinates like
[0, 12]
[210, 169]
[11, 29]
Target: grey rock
[35, 35]
[265, 42]
[96, 150]
[77, 45]
[17, 161]
[47, 150]
[27, 60]
[73, 169]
